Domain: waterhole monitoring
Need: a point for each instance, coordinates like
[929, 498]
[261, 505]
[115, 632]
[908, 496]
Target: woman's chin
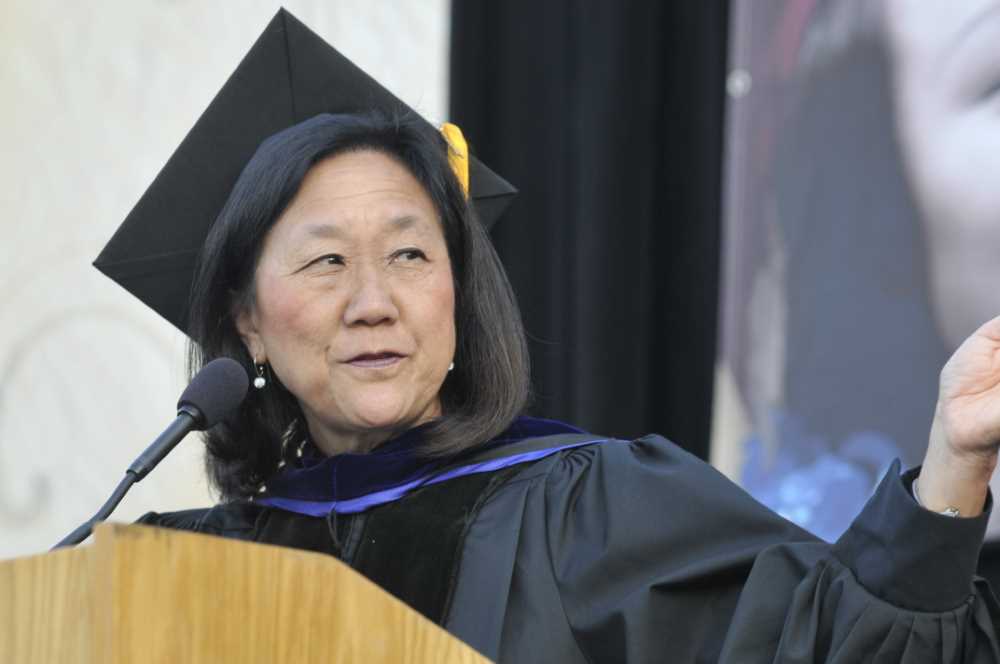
[379, 421]
[370, 417]
[388, 416]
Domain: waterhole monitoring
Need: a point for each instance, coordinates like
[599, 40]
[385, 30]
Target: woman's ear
[246, 325]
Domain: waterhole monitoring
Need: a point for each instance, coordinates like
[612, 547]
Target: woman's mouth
[375, 360]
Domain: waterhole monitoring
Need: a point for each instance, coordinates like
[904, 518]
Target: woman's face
[354, 301]
[946, 61]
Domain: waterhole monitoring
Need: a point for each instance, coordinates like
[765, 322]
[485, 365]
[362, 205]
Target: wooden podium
[150, 595]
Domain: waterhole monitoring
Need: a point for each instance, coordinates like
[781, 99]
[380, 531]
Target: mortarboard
[289, 75]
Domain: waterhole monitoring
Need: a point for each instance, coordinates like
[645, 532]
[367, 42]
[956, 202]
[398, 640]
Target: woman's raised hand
[965, 434]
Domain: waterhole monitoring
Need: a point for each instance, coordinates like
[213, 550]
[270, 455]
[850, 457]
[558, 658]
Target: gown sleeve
[658, 557]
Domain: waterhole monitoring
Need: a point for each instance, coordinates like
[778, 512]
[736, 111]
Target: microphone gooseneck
[214, 392]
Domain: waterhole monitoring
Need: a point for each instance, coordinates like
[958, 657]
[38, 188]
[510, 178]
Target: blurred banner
[861, 238]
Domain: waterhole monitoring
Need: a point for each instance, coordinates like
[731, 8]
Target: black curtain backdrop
[608, 117]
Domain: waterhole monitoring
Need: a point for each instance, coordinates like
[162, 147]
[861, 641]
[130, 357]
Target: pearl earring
[259, 382]
[451, 366]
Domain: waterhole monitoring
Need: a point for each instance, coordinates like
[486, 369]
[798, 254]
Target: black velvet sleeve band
[909, 556]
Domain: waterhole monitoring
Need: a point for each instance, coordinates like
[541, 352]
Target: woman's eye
[410, 254]
[329, 259]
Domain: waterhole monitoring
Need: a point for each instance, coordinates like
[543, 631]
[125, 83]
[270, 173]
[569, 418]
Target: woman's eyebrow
[325, 230]
[330, 230]
[406, 222]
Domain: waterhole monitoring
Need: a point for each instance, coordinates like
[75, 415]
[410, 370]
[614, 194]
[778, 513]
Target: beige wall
[93, 99]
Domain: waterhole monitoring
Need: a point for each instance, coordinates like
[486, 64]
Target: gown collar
[346, 477]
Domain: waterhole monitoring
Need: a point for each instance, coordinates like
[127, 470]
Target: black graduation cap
[289, 75]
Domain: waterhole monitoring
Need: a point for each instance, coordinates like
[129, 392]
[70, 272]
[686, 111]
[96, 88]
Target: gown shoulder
[649, 545]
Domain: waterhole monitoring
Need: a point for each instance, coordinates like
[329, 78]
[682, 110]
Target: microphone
[214, 392]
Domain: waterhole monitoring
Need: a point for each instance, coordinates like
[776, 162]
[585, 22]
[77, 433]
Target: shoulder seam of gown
[531, 472]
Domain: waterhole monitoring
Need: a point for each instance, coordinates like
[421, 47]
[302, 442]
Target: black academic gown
[638, 552]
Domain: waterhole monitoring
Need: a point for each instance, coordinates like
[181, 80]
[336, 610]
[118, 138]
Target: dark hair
[482, 395]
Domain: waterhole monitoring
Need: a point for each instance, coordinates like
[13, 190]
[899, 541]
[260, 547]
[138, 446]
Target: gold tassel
[458, 154]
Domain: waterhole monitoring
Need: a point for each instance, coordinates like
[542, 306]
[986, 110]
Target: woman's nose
[371, 301]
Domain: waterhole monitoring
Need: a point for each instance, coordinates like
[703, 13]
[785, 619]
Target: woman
[286, 320]
[348, 270]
